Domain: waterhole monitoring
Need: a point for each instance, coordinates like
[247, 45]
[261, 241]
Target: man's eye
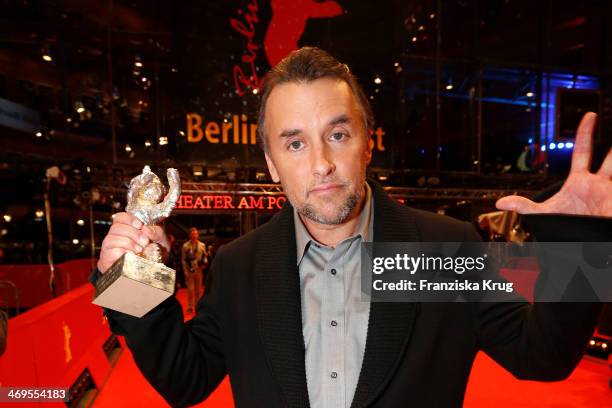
[296, 145]
[338, 136]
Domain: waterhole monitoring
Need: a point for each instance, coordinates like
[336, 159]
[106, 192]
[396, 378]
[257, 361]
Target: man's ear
[369, 149]
[272, 169]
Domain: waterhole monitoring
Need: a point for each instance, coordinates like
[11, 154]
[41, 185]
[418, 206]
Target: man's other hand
[583, 193]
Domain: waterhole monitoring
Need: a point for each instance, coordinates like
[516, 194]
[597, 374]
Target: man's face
[317, 148]
[194, 235]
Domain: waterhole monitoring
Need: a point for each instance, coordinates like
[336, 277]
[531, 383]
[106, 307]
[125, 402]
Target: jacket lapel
[279, 313]
[390, 324]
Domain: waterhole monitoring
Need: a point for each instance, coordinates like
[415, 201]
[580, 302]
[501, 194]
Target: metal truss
[396, 192]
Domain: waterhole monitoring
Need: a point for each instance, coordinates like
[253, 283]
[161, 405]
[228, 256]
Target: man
[193, 258]
[283, 315]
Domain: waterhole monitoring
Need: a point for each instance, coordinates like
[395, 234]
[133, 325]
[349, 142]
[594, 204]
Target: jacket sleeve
[539, 341]
[184, 362]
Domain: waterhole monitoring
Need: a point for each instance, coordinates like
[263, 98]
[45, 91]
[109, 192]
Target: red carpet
[489, 386]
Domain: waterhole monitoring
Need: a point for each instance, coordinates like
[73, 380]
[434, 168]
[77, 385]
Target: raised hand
[583, 193]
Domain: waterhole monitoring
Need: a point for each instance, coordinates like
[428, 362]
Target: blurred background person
[194, 259]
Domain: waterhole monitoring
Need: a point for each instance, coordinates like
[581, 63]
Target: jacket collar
[279, 312]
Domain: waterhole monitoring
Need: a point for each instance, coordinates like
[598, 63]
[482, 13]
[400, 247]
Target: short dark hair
[305, 65]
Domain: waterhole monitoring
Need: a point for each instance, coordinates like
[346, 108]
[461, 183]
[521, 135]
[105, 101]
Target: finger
[127, 218]
[519, 204]
[116, 241]
[606, 168]
[581, 158]
[109, 258]
[157, 234]
[125, 230]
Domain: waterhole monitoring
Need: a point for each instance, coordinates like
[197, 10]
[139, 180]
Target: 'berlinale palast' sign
[239, 131]
[198, 201]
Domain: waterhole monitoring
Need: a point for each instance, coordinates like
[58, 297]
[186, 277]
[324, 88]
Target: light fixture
[75, 241]
[377, 80]
[39, 134]
[561, 145]
[432, 16]
[542, 148]
[197, 171]
[128, 148]
[4, 231]
[421, 28]
[414, 39]
[396, 64]
[255, 91]
[147, 143]
[163, 140]
[449, 86]
[143, 79]
[552, 146]
[138, 64]
[39, 213]
[529, 94]
[569, 145]
[7, 217]
[80, 222]
[182, 133]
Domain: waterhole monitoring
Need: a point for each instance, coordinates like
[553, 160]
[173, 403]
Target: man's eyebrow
[339, 120]
[290, 132]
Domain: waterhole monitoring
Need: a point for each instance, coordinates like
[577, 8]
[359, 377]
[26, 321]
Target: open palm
[583, 193]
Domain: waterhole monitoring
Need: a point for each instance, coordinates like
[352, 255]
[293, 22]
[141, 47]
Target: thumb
[519, 204]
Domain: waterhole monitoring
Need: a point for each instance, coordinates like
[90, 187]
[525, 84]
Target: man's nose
[323, 162]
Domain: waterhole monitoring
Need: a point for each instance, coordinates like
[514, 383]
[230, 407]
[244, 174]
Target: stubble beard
[341, 214]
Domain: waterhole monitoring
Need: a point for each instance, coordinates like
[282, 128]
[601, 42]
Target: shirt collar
[364, 229]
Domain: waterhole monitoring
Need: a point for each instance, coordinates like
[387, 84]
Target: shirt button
[334, 323]
[333, 271]
[334, 375]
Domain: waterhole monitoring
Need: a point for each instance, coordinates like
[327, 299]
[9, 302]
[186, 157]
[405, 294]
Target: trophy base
[134, 285]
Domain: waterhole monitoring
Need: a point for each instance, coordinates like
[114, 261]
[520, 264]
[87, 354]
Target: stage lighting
[7, 217]
[80, 222]
[561, 145]
[569, 145]
[39, 213]
[552, 146]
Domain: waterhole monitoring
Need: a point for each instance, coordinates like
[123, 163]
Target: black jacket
[249, 325]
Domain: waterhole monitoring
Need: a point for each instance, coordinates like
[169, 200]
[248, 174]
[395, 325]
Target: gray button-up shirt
[334, 318]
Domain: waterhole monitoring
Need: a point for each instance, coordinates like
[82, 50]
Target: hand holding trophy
[138, 280]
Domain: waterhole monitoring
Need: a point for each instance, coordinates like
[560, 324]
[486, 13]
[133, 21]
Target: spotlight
[75, 241]
[143, 79]
[542, 148]
[138, 64]
[7, 217]
[147, 143]
[432, 16]
[39, 134]
[377, 80]
[529, 94]
[561, 145]
[449, 86]
[552, 146]
[39, 213]
[569, 145]
[182, 133]
[255, 91]
[80, 222]
[396, 64]
[128, 148]
[414, 39]
[4, 231]
[163, 140]
[197, 171]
